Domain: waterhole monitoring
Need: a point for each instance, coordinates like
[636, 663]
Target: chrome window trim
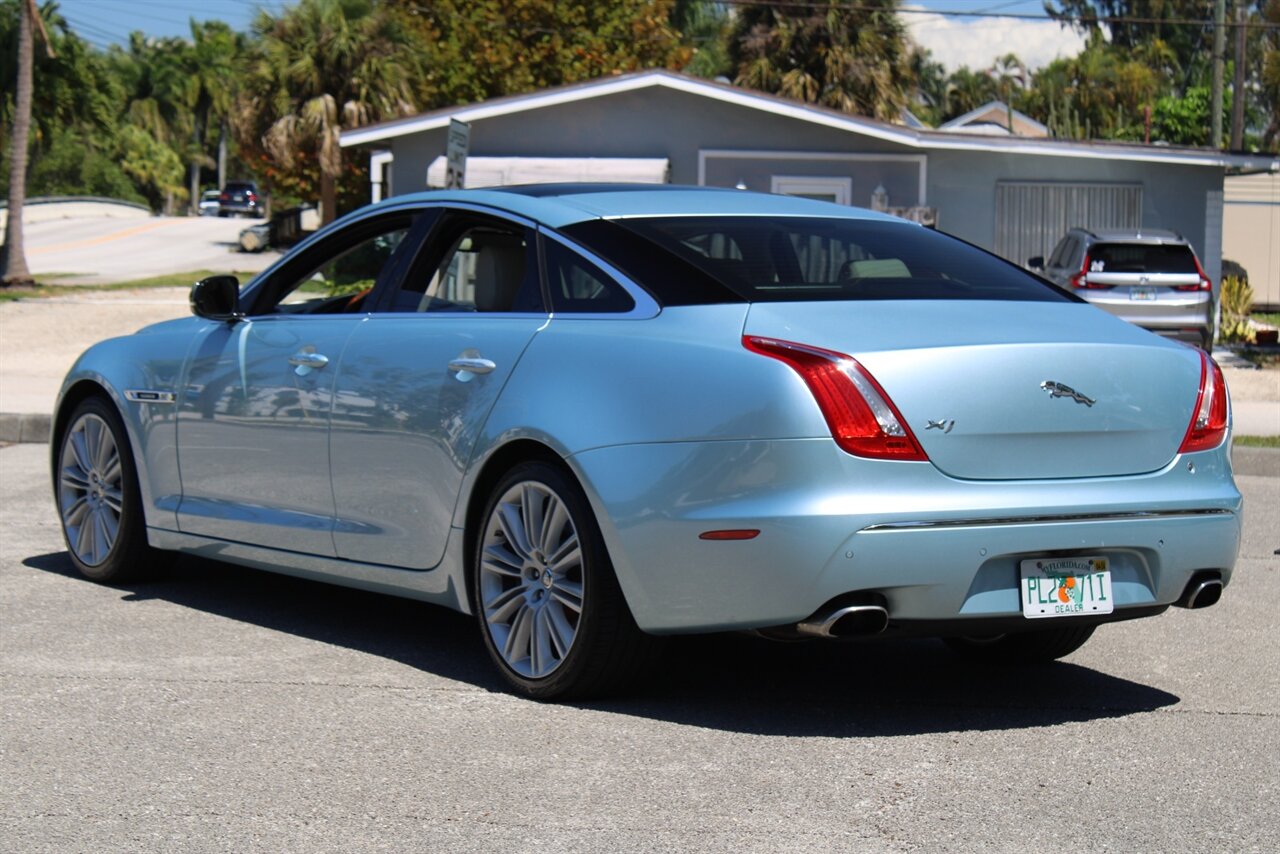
[645, 307]
[887, 527]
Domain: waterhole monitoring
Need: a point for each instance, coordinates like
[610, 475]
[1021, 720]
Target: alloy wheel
[90, 489]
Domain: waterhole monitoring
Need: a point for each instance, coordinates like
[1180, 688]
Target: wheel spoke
[566, 557]
[500, 561]
[555, 517]
[513, 530]
[110, 526]
[500, 608]
[114, 499]
[561, 632]
[518, 636]
[541, 658]
[80, 452]
[531, 501]
[105, 450]
[73, 477]
[111, 474]
[84, 536]
[568, 594]
[74, 514]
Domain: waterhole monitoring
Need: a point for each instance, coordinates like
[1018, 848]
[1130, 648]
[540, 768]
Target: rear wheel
[98, 498]
[550, 609]
[1022, 647]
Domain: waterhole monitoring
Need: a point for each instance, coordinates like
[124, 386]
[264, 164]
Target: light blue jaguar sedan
[594, 415]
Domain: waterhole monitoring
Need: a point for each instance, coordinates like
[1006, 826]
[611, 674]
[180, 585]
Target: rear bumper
[941, 551]
[1173, 316]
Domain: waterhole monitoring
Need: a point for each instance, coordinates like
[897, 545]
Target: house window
[838, 190]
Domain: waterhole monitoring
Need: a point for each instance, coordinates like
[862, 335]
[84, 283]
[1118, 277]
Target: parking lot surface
[222, 709]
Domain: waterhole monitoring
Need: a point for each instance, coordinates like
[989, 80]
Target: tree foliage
[857, 60]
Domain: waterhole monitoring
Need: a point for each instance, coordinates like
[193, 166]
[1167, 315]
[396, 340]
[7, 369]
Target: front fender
[153, 362]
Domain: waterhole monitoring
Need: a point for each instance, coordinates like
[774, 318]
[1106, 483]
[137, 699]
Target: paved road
[223, 709]
[101, 249]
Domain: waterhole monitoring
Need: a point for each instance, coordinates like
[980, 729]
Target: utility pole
[1237, 83]
[1219, 50]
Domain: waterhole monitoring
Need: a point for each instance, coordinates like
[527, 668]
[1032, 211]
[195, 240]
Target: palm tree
[1008, 72]
[856, 60]
[212, 59]
[322, 67]
[15, 256]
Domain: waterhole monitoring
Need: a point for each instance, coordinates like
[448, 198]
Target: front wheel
[99, 503]
[550, 609]
[1031, 647]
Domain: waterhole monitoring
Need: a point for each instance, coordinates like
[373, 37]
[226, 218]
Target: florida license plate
[1065, 586]
[1141, 294]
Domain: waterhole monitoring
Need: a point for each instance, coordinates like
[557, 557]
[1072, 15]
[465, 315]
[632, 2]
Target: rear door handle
[472, 365]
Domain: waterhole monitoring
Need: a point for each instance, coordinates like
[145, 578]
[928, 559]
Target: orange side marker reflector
[740, 534]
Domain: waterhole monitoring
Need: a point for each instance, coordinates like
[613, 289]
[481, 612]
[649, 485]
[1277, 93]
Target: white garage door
[1032, 217]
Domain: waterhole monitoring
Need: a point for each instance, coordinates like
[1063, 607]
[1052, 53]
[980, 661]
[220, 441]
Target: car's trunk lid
[1011, 390]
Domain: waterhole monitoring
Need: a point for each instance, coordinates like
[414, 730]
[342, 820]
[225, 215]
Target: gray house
[1013, 195]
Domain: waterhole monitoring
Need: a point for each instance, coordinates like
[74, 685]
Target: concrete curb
[27, 427]
[1257, 462]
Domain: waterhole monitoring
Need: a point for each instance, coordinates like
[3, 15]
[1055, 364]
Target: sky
[954, 41]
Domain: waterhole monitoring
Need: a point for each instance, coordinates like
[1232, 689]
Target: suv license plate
[1141, 294]
[1065, 586]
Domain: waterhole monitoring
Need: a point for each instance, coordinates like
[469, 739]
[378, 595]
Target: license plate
[1065, 587]
[1142, 293]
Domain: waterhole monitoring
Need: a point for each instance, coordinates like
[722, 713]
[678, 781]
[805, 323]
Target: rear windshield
[1141, 258]
[798, 259]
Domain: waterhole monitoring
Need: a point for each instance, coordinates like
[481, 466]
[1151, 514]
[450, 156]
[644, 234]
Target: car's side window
[337, 276]
[474, 264]
[1072, 257]
[1059, 253]
[578, 286]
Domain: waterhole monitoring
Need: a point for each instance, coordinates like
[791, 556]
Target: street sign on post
[455, 154]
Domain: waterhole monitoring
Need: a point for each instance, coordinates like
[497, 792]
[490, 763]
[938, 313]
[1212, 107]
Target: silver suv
[1151, 278]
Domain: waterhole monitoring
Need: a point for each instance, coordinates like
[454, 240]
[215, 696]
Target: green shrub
[1237, 302]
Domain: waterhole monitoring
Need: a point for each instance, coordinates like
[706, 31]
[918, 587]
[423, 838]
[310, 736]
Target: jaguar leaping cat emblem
[1057, 389]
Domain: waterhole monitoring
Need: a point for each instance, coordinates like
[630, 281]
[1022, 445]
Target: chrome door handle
[308, 360]
[472, 366]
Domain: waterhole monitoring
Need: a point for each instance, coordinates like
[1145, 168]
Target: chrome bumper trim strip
[1040, 520]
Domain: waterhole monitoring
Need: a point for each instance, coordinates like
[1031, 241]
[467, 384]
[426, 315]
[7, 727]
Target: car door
[418, 379]
[253, 426]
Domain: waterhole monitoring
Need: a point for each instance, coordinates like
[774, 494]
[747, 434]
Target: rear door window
[784, 259]
[1141, 258]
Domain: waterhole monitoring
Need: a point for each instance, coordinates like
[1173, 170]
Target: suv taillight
[1209, 420]
[1203, 285]
[1080, 279]
[862, 419]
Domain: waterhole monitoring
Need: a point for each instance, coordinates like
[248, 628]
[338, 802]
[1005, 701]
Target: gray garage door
[1031, 217]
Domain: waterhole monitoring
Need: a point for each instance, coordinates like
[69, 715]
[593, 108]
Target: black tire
[1033, 647]
[129, 557]
[607, 649]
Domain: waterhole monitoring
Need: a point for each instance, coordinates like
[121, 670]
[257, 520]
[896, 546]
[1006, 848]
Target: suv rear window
[793, 259]
[1141, 258]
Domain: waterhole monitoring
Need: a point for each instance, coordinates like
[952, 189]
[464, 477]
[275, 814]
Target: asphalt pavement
[222, 709]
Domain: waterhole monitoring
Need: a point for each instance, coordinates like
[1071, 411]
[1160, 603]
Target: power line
[1084, 20]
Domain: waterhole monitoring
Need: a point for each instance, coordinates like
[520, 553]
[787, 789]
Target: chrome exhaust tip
[1201, 592]
[846, 622]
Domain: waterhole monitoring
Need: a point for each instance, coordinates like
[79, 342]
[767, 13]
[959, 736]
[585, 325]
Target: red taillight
[862, 419]
[1209, 420]
[1079, 280]
[1203, 285]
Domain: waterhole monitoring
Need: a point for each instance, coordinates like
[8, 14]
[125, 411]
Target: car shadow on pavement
[732, 682]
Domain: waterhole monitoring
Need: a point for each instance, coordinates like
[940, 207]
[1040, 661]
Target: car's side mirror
[216, 298]
[1036, 263]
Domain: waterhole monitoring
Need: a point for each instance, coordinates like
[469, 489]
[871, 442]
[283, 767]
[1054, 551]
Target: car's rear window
[1141, 258]
[791, 259]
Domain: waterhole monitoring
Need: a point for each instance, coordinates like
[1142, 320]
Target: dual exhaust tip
[1204, 589]
[846, 621]
[866, 618]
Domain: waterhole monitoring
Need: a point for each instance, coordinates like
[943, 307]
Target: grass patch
[1258, 441]
[169, 280]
